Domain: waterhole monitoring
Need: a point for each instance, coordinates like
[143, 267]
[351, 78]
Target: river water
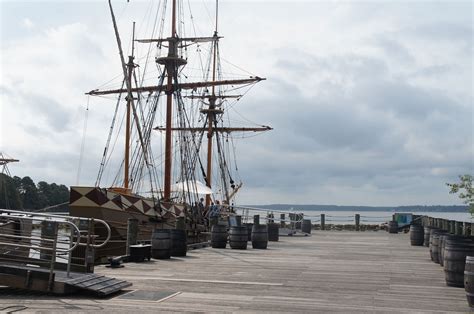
[377, 217]
[348, 217]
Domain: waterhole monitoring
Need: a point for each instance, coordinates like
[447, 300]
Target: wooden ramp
[100, 285]
[58, 282]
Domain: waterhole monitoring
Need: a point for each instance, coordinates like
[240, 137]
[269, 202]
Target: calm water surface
[378, 216]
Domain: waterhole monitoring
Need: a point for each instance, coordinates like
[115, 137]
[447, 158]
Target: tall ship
[172, 125]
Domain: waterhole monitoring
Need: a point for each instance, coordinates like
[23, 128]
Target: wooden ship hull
[116, 209]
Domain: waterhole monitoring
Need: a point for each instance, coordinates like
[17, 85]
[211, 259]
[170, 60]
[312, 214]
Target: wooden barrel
[178, 242]
[441, 245]
[219, 236]
[259, 236]
[161, 244]
[444, 237]
[469, 280]
[273, 232]
[455, 252]
[306, 226]
[238, 237]
[427, 231]
[249, 231]
[434, 242]
[417, 236]
[434, 250]
[392, 227]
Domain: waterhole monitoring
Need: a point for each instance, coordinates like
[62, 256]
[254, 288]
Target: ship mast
[170, 70]
[127, 69]
[172, 63]
[211, 111]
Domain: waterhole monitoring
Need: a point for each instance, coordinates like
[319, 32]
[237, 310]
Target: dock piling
[458, 227]
[256, 220]
[357, 222]
[132, 233]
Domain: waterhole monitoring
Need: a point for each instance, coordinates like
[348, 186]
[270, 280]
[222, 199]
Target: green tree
[464, 190]
[23, 193]
[9, 196]
[29, 194]
[44, 194]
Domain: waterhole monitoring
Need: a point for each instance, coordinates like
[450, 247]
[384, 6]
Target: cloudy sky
[371, 101]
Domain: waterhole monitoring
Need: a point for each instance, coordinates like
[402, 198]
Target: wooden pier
[329, 271]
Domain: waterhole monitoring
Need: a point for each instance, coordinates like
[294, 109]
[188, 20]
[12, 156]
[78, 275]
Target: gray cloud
[371, 103]
[384, 133]
[44, 110]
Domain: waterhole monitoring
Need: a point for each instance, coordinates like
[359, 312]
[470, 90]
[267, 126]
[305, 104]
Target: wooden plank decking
[331, 271]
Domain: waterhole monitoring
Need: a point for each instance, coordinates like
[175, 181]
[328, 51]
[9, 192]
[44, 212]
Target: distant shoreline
[414, 208]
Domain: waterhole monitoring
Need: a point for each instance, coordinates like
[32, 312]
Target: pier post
[132, 233]
[452, 227]
[282, 220]
[49, 230]
[357, 222]
[270, 218]
[458, 227]
[89, 259]
[256, 220]
[445, 224]
[323, 222]
[465, 228]
[238, 220]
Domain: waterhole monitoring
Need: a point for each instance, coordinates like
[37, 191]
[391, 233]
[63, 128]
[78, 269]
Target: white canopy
[191, 187]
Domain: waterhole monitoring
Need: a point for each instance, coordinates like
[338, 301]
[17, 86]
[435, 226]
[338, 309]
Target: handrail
[73, 226]
[66, 218]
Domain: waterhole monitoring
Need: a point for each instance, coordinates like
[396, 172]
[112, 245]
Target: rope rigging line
[151, 36]
[83, 142]
[140, 161]
[104, 159]
[222, 162]
[198, 50]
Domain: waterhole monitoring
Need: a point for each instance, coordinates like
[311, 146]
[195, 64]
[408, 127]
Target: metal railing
[291, 219]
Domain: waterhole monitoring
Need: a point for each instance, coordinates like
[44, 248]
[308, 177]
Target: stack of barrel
[455, 253]
[239, 235]
[168, 242]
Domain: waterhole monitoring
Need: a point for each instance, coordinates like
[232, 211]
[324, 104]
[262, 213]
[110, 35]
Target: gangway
[52, 253]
